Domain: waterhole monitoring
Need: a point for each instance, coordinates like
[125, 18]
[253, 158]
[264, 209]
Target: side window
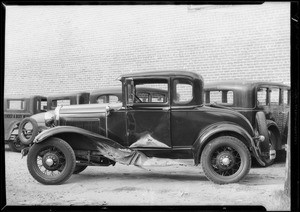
[157, 97]
[183, 92]
[60, 102]
[262, 96]
[101, 99]
[286, 97]
[225, 97]
[113, 99]
[215, 96]
[42, 104]
[143, 96]
[16, 104]
[144, 91]
[274, 96]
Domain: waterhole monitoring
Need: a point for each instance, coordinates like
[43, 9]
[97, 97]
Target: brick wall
[51, 50]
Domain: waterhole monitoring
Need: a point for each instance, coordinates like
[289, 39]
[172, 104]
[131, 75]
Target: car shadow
[86, 176]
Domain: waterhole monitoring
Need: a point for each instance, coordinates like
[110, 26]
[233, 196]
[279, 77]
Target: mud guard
[207, 133]
[9, 130]
[108, 148]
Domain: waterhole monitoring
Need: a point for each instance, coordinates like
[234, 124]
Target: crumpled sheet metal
[148, 141]
[123, 155]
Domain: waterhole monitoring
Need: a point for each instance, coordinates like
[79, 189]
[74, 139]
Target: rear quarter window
[274, 96]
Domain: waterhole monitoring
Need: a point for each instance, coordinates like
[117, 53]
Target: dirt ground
[130, 185]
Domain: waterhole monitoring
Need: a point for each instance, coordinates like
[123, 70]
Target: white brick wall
[61, 49]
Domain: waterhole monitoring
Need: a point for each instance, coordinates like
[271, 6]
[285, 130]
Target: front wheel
[15, 145]
[225, 160]
[51, 162]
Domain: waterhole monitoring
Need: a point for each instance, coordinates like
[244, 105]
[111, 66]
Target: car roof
[24, 97]
[239, 85]
[161, 73]
[67, 94]
[110, 90]
[118, 90]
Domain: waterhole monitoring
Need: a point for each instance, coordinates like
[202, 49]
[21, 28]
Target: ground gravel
[130, 185]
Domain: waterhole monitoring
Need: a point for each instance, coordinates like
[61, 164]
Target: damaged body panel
[144, 131]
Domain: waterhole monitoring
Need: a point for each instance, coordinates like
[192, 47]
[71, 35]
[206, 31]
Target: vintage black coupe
[136, 132]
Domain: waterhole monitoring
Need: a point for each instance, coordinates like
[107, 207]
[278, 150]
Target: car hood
[39, 118]
[89, 108]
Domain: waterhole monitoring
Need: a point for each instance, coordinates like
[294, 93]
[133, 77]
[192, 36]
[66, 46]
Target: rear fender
[218, 129]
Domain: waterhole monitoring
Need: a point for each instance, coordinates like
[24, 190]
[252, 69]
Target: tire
[15, 145]
[79, 168]
[25, 137]
[262, 129]
[272, 143]
[217, 152]
[60, 158]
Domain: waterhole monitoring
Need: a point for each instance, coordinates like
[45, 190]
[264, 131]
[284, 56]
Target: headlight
[49, 118]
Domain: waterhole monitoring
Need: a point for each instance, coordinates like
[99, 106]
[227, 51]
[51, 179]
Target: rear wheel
[225, 159]
[261, 125]
[51, 162]
[272, 142]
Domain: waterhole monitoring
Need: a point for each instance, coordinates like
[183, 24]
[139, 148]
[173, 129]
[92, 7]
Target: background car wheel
[225, 159]
[79, 168]
[28, 130]
[262, 129]
[15, 145]
[51, 162]
[272, 143]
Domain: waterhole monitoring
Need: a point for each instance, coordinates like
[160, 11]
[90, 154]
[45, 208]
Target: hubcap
[225, 161]
[51, 161]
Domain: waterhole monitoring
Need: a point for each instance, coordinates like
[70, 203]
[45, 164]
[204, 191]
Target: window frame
[132, 83]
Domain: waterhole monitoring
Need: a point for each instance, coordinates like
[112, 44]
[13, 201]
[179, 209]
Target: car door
[148, 120]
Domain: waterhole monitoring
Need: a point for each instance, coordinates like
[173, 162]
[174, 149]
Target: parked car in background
[145, 133]
[251, 97]
[106, 95]
[29, 127]
[114, 95]
[15, 110]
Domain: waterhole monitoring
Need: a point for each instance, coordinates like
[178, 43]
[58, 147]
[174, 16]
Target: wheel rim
[50, 162]
[225, 161]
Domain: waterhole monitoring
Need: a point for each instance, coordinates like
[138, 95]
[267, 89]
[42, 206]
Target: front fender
[216, 129]
[10, 128]
[78, 138]
[81, 139]
[63, 129]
